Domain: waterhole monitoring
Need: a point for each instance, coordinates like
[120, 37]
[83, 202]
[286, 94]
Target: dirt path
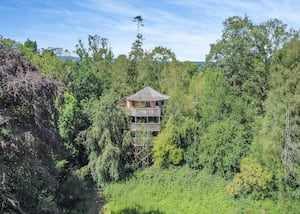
[96, 201]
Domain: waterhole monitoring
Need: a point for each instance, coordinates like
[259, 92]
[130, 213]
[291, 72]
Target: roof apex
[147, 94]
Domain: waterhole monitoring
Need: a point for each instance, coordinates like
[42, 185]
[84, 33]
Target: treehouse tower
[145, 110]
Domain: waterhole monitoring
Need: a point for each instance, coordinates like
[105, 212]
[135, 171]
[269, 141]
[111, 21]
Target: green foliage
[183, 135]
[49, 65]
[61, 164]
[71, 197]
[190, 141]
[182, 190]
[189, 133]
[251, 180]
[107, 141]
[92, 75]
[28, 138]
[8, 43]
[31, 45]
[217, 103]
[156, 62]
[70, 119]
[99, 48]
[166, 150]
[244, 54]
[227, 125]
[84, 84]
[6, 133]
[121, 80]
[222, 147]
[174, 78]
[277, 145]
[215, 99]
[137, 51]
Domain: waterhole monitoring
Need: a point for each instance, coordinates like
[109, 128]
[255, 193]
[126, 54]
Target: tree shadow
[137, 210]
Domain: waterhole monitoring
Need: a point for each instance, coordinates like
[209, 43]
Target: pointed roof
[147, 94]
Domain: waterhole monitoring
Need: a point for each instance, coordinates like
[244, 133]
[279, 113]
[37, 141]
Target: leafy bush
[251, 180]
[165, 150]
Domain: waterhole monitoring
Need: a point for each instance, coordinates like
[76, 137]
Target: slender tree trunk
[289, 154]
[286, 158]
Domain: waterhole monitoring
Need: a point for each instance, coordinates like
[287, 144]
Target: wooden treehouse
[145, 110]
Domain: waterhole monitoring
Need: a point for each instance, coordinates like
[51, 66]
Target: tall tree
[139, 20]
[31, 45]
[244, 56]
[161, 57]
[94, 68]
[136, 49]
[28, 136]
[107, 140]
[222, 147]
[280, 136]
[99, 48]
[120, 78]
[136, 54]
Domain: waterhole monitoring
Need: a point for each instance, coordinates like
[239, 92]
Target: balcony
[152, 127]
[145, 112]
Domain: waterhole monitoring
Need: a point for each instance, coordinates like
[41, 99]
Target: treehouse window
[153, 120]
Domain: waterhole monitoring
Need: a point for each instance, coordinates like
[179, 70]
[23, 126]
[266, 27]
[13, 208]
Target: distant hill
[199, 63]
[73, 58]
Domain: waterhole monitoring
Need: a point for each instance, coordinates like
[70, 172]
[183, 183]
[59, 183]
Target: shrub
[251, 180]
[165, 149]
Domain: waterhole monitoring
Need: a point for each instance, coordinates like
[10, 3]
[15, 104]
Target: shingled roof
[147, 94]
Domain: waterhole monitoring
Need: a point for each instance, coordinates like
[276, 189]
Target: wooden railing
[145, 112]
[153, 127]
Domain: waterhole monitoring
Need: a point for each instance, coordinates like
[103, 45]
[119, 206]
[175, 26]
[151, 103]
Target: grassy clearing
[181, 190]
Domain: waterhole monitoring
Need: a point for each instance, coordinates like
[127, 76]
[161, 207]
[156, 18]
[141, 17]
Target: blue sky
[187, 27]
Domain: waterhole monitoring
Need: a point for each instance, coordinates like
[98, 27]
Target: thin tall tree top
[139, 20]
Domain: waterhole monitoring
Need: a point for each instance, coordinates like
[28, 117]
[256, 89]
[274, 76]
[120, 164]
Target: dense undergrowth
[182, 190]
